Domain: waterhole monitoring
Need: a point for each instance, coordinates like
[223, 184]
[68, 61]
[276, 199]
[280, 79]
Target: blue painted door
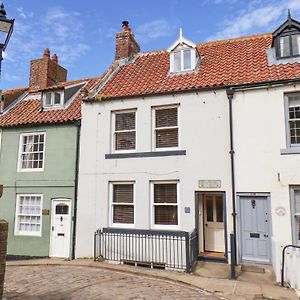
[254, 221]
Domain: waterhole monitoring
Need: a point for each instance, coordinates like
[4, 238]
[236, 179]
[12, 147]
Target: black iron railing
[283, 260]
[151, 248]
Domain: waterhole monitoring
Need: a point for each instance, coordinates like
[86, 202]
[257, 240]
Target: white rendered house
[200, 138]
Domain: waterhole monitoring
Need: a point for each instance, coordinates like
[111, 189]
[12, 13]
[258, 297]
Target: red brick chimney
[45, 72]
[126, 45]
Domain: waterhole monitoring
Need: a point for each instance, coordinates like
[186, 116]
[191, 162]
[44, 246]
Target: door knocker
[253, 203]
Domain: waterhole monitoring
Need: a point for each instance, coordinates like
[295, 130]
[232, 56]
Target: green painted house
[39, 152]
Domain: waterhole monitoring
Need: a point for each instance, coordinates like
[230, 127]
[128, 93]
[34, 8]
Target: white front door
[214, 223]
[60, 228]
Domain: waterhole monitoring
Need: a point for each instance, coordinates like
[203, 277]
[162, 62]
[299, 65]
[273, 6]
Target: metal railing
[149, 248]
[283, 260]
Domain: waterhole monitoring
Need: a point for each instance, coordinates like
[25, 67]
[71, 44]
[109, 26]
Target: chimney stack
[45, 72]
[126, 45]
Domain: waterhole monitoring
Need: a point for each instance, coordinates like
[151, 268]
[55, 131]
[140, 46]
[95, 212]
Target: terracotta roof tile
[229, 62]
[28, 111]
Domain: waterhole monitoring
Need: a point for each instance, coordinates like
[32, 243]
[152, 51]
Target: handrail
[283, 261]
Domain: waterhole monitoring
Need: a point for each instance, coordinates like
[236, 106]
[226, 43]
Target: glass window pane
[177, 61]
[209, 209]
[125, 121]
[123, 193]
[167, 117]
[297, 219]
[296, 44]
[57, 98]
[219, 208]
[125, 140]
[165, 138]
[165, 193]
[187, 60]
[48, 99]
[166, 215]
[123, 214]
[284, 45]
[62, 209]
[297, 201]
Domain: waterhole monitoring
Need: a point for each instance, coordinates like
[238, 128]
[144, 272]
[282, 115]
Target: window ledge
[145, 154]
[291, 150]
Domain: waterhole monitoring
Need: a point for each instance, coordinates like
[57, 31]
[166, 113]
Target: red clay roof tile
[28, 111]
[229, 62]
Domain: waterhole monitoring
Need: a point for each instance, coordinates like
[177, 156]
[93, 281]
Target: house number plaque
[209, 184]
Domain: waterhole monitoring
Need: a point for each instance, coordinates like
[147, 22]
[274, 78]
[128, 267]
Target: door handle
[52, 228]
[206, 224]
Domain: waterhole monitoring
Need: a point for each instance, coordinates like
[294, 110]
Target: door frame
[198, 195]
[239, 197]
[62, 199]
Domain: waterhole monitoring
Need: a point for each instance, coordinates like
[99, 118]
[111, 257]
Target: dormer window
[286, 39]
[183, 55]
[53, 99]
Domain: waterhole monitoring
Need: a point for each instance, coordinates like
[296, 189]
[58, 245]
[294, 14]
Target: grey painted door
[254, 221]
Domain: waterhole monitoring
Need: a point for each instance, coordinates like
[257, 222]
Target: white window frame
[287, 125]
[152, 210]
[17, 232]
[181, 50]
[52, 105]
[296, 241]
[20, 152]
[154, 108]
[111, 204]
[113, 131]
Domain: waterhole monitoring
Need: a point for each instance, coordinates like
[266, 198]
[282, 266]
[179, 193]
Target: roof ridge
[248, 37]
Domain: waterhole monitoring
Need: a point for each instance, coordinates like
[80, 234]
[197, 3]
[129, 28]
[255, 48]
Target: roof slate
[223, 63]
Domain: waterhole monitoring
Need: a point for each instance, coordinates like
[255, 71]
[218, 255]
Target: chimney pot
[55, 58]
[46, 53]
[125, 26]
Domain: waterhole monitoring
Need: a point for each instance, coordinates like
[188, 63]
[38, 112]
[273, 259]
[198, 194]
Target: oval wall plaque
[280, 211]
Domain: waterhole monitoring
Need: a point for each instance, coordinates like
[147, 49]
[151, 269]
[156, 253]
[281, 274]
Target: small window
[295, 204]
[293, 119]
[166, 127]
[182, 60]
[124, 127]
[28, 218]
[296, 44]
[61, 209]
[122, 204]
[165, 204]
[31, 153]
[53, 99]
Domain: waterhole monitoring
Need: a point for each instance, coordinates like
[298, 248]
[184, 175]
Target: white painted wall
[204, 134]
[259, 135]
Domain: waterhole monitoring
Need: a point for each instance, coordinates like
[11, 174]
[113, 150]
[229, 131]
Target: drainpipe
[230, 93]
[78, 126]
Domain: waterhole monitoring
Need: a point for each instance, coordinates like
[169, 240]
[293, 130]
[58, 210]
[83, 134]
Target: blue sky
[82, 33]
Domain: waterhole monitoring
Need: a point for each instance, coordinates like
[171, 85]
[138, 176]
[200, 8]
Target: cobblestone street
[69, 282]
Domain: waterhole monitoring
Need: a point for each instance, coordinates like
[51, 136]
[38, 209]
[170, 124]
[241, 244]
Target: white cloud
[58, 29]
[258, 16]
[153, 30]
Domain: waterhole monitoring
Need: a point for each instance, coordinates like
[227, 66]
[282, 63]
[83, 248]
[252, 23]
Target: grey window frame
[293, 212]
[290, 148]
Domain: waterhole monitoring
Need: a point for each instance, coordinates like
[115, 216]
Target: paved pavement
[82, 282]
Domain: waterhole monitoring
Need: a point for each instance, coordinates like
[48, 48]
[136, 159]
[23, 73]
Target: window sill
[145, 154]
[291, 150]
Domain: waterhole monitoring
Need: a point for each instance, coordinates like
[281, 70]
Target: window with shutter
[165, 204]
[124, 126]
[122, 203]
[166, 127]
